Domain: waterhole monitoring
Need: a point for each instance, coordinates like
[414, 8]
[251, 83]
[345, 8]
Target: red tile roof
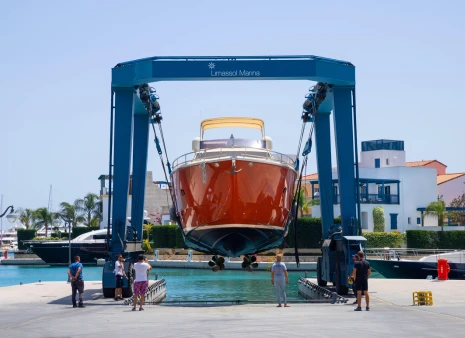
[421, 163]
[448, 177]
[310, 177]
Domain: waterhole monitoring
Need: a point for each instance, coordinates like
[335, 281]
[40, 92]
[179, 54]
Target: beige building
[156, 204]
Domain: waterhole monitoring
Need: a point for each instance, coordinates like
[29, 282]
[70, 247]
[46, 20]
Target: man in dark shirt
[361, 274]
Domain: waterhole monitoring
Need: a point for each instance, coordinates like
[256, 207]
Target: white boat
[9, 240]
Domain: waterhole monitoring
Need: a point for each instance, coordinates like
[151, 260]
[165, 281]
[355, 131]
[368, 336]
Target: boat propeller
[249, 263]
[216, 263]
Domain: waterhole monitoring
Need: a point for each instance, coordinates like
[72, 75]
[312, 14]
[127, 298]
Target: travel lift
[134, 107]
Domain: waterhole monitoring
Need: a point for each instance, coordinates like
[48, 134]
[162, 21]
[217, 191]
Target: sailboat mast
[50, 206]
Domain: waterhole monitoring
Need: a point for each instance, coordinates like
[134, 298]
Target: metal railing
[411, 253]
[154, 295]
[379, 199]
[372, 199]
[237, 153]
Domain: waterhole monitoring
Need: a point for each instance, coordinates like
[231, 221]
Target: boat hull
[414, 269]
[234, 207]
[58, 253]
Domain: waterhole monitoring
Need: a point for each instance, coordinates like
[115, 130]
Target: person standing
[119, 273]
[141, 282]
[361, 274]
[279, 278]
[77, 283]
[351, 281]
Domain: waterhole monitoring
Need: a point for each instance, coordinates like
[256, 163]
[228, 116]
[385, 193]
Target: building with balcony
[386, 181]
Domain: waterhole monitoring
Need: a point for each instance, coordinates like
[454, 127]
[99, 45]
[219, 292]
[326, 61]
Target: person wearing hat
[141, 282]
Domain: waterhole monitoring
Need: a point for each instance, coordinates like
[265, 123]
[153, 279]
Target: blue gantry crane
[134, 108]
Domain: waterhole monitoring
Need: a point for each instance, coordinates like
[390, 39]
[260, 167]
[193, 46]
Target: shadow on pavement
[89, 295]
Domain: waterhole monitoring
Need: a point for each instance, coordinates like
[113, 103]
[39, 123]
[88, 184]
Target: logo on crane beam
[232, 73]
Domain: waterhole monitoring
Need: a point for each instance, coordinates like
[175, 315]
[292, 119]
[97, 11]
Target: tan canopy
[228, 122]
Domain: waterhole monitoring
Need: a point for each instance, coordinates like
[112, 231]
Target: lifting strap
[313, 100]
[149, 98]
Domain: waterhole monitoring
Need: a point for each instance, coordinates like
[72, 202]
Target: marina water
[181, 284]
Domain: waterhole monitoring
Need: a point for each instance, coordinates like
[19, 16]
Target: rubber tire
[127, 292]
[341, 290]
[109, 292]
[320, 281]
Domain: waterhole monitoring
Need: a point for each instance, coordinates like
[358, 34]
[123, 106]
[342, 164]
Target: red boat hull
[234, 207]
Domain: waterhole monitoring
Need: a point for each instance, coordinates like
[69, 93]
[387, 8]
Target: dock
[44, 310]
[180, 264]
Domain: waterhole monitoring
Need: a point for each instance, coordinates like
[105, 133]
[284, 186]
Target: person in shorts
[279, 278]
[119, 274]
[361, 274]
[141, 281]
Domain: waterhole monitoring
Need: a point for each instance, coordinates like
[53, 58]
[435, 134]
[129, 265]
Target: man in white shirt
[119, 273]
[141, 283]
[279, 278]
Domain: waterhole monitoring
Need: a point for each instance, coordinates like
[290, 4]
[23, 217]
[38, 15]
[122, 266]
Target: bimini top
[228, 122]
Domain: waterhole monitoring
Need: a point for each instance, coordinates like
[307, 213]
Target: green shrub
[39, 238]
[25, 235]
[167, 236]
[180, 239]
[378, 219]
[309, 233]
[64, 235]
[384, 239]
[424, 239]
[454, 239]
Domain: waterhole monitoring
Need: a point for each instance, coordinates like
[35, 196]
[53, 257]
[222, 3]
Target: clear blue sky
[56, 60]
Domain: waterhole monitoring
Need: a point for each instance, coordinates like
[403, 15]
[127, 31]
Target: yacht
[89, 246]
[9, 240]
[233, 196]
[416, 264]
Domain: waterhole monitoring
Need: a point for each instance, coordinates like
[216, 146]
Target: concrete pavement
[44, 310]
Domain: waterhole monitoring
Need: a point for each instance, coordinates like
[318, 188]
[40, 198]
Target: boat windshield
[232, 142]
[97, 234]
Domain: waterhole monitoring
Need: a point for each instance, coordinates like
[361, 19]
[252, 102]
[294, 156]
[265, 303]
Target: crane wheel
[319, 280]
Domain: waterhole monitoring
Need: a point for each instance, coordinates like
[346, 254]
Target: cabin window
[387, 161]
[377, 163]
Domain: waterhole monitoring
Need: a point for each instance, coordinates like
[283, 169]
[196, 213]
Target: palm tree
[90, 207]
[95, 222]
[304, 204]
[43, 218]
[27, 217]
[148, 228]
[438, 210]
[70, 213]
